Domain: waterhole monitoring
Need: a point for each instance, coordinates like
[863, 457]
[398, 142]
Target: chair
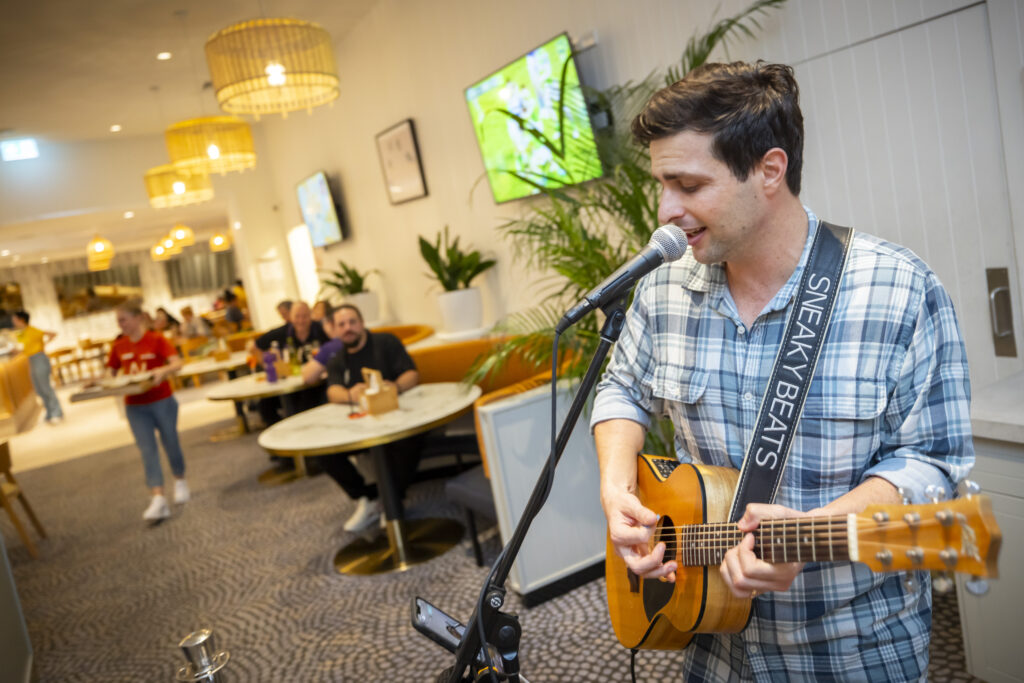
[471, 490]
[408, 334]
[9, 490]
[62, 359]
[240, 340]
[188, 346]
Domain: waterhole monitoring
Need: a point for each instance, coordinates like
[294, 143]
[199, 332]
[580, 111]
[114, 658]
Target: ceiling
[69, 69]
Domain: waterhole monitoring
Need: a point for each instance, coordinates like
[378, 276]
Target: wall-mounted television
[320, 210]
[531, 121]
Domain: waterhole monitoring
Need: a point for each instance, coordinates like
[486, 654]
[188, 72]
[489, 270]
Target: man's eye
[689, 189]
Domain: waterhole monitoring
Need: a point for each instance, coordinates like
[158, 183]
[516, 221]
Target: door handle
[994, 311]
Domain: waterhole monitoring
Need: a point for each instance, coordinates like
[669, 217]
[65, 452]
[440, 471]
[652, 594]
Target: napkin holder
[283, 369]
[379, 397]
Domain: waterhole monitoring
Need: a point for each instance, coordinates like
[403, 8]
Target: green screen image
[551, 143]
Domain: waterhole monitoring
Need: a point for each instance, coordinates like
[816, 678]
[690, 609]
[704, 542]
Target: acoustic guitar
[958, 535]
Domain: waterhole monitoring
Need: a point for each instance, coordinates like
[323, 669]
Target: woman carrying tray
[142, 351]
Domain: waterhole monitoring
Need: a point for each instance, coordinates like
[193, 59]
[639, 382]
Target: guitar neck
[808, 539]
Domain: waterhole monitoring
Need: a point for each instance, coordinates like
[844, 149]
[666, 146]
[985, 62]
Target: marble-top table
[248, 387]
[201, 367]
[330, 429]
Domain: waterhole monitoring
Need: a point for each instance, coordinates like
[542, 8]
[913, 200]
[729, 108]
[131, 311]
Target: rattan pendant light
[183, 235]
[211, 144]
[99, 253]
[169, 186]
[272, 66]
[220, 242]
[159, 253]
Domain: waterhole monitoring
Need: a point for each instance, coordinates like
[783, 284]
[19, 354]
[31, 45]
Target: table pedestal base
[276, 477]
[406, 543]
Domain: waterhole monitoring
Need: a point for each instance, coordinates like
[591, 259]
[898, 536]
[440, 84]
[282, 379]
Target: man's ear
[772, 168]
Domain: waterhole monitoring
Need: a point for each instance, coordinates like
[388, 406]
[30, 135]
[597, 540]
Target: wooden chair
[9, 490]
[61, 360]
[240, 340]
[188, 346]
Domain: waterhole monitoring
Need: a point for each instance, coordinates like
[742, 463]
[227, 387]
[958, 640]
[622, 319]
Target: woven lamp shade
[169, 186]
[99, 253]
[158, 253]
[183, 235]
[172, 247]
[220, 242]
[272, 66]
[211, 144]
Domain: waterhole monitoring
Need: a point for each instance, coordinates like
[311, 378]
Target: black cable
[632, 664]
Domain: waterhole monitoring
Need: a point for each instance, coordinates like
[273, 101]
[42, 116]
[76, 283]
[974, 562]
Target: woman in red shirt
[139, 350]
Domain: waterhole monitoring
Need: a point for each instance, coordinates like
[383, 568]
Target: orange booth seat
[407, 334]
[450, 363]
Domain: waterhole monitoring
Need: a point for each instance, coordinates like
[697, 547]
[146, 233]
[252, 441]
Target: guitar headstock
[959, 535]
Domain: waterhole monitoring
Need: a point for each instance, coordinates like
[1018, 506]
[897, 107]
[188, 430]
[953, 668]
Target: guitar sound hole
[666, 534]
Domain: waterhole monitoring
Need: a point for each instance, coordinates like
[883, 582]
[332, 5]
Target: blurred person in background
[33, 340]
[192, 325]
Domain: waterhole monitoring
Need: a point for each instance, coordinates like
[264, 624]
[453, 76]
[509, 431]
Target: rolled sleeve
[624, 390]
[928, 436]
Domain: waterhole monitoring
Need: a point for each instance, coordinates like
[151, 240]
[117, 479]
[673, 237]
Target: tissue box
[384, 398]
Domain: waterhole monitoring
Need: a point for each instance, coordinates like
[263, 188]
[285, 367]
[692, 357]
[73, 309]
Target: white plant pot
[368, 304]
[461, 310]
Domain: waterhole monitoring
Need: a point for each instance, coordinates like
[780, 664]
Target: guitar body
[657, 615]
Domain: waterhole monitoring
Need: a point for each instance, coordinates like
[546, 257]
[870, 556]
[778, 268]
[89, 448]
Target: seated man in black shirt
[378, 351]
[301, 335]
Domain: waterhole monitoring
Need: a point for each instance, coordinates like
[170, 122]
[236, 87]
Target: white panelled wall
[914, 116]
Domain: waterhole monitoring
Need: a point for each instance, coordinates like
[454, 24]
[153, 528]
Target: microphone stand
[502, 630]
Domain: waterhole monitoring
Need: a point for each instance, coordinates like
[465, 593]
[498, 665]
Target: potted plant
[349, 285]
[461, 306]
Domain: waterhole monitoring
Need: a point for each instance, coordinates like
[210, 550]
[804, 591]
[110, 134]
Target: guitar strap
[783, 400]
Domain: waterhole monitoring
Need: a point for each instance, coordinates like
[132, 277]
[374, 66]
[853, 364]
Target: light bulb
[275, 73]
[213, 151]
[178, 187]
[218, 240]
[98, 247]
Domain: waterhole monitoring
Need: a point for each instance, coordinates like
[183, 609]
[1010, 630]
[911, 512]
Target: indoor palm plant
[575, 236]
[455, 268]
[349, 285]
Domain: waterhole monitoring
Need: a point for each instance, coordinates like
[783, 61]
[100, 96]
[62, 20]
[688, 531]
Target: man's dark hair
[359, 314]
[747, 108]
[22, 315]
[286, 304]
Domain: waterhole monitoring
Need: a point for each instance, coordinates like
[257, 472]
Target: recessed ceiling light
[163, 56]
[45, 259]
[237, 225]
[129, 214]
[5, 252]
[116, 128]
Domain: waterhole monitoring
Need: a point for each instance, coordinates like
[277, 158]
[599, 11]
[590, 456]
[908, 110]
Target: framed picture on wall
[400, 162]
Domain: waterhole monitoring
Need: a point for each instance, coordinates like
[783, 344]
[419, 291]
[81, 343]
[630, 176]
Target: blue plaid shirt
[890, 398]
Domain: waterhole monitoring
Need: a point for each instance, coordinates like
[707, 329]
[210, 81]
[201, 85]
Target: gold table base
[405, 544]
[275, 477]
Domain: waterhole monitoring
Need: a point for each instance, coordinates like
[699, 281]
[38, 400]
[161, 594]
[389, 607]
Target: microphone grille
[670, 241]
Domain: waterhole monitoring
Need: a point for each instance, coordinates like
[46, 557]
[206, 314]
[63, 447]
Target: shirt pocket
[680, 394]
[840, 432]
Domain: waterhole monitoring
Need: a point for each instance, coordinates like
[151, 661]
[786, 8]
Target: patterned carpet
[110, 598]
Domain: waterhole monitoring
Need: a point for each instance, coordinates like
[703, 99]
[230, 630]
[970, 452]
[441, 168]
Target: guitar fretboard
[810, 539]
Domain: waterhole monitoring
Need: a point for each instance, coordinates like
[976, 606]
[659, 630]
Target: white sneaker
[182, 494]
[158, 509]
[366, 515]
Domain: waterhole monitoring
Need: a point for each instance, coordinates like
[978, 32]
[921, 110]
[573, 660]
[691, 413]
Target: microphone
[668, 243]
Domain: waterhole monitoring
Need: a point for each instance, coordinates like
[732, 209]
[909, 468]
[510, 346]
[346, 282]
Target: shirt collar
[710, 278]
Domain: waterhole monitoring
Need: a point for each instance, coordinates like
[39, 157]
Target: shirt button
[741, 330]
[753, 648]
[748, 396]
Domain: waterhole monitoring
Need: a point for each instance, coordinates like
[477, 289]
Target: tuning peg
[903, 495]
[934, 493]
[976, 585]
[968, 488]
[942, 583]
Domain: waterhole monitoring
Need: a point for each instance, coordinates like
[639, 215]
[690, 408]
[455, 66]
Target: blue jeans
[39, 369]
[160, 416]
